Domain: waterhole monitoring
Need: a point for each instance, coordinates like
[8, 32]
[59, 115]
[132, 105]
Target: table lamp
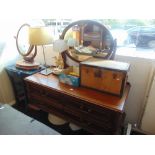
[41, 36]
[72, 43]
[59, 46]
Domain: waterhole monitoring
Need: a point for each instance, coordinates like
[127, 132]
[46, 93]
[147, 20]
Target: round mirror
[87, 38]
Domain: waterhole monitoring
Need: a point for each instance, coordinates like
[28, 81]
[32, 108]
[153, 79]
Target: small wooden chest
[104, 75]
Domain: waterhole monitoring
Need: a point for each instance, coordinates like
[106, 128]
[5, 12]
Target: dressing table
[95, 111]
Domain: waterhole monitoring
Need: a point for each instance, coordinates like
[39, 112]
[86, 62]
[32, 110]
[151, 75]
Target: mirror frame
[112, 50]
[28, 56]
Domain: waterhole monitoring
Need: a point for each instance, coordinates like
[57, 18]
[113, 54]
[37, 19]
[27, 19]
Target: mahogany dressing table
[95, 111]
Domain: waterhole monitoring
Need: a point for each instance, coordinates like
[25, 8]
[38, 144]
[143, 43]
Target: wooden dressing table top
[95, 97]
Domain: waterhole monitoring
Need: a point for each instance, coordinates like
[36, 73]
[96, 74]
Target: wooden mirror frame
[111, 51]
[28, 56]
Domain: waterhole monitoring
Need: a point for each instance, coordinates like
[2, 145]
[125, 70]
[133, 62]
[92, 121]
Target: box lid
[109, 64]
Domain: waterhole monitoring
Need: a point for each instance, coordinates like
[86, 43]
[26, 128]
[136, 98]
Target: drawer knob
[81, 107]
[89, 110]
[45, 93]
[88, 123]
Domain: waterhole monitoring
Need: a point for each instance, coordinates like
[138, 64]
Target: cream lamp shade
[40, 36]
[59, 46]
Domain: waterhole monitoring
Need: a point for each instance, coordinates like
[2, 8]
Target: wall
[147, 123]
[138, 77]
[8, 53]
[6, 91]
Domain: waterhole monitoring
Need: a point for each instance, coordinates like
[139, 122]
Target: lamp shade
[71, 42]
[40, 36]
[60, 46]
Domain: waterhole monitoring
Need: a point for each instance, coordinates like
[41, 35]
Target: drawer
[72, 106]
[45, 102]
[73, 113]
[98, 128]
[88, 111]
[99, 113]
[72, 102]
[105, 118]
[43, 97]
[87, 108]
[43, 92]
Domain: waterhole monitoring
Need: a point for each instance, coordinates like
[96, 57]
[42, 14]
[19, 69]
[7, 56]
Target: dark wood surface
[95, 111]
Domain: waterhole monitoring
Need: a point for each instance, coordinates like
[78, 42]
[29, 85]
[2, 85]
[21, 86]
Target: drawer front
[86, 107]
[89, 114]
[45, 102]
[43, 92]
[99, 117]
[43, 97]
[72, 106]
[101, 122]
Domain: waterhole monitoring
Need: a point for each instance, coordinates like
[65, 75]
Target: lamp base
[25, 65]
[46, 71]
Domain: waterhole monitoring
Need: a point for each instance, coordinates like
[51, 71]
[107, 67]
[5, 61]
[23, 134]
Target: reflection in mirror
[23, 40]
[87, 38]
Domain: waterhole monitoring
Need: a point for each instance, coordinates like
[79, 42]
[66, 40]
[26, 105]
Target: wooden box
[104, 75]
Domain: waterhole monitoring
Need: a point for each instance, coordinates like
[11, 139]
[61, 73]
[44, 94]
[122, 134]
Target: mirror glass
[23, 43]
[88, 38]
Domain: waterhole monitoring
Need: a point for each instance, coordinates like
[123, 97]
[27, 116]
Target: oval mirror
[22, 44]
[87, 38]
